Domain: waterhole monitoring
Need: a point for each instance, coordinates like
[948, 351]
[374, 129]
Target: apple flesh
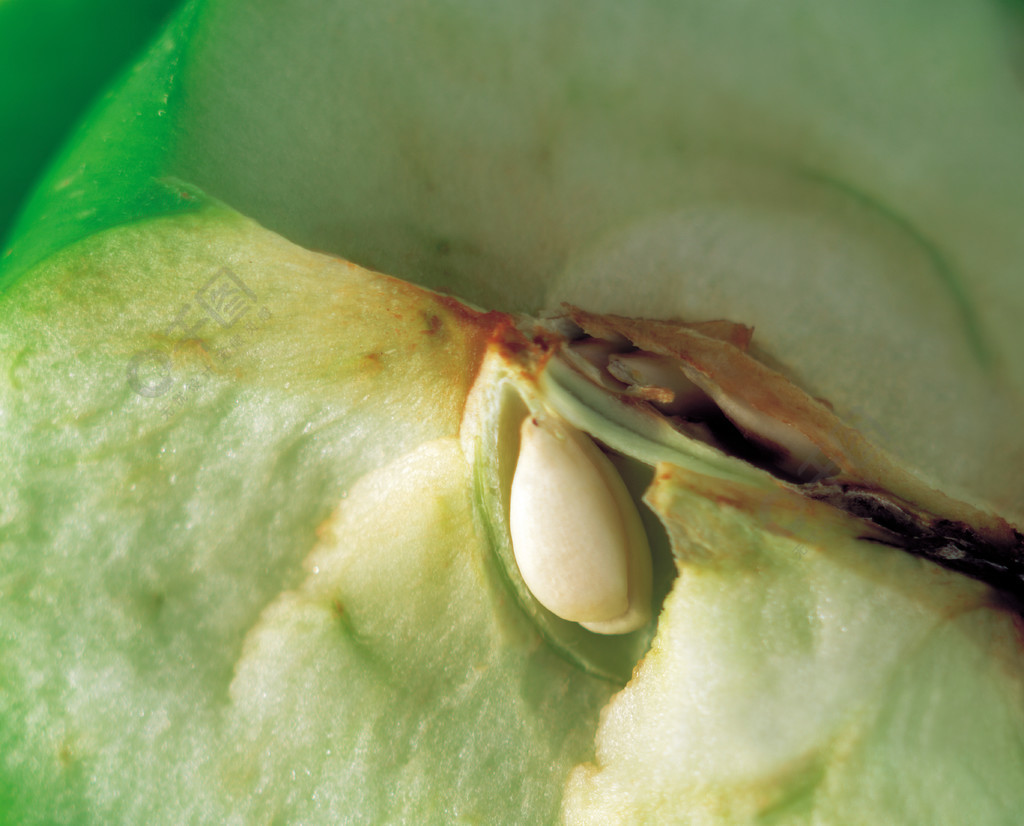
[244, 535]
[247, 550]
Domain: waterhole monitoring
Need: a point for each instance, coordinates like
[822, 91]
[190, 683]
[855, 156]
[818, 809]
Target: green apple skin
[250, 548]
[56, 56]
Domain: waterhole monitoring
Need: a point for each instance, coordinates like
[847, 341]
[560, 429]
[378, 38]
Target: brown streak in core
[724, 371]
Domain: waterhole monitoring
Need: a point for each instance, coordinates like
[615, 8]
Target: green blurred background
[56, 57]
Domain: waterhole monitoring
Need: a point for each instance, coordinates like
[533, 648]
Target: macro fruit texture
[257, 547]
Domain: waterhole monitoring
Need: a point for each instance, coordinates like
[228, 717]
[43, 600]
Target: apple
[259, 559]
[54, 57]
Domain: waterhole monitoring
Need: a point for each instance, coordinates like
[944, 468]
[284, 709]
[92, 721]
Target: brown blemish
[323, 530]
[531, 352]
[464, 316]
[373, 362]
[434, 325]
[66, 755]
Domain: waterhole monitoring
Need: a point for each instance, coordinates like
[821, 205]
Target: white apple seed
[576, 534]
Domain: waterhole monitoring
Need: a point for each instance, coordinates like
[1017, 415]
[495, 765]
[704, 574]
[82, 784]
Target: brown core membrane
[996, 560]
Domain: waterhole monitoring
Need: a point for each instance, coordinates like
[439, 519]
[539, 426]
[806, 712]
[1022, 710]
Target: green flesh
[805, 677]
[256, 573]
[269, 580]
[276, 575]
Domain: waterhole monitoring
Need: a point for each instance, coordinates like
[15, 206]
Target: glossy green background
[56, 56]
